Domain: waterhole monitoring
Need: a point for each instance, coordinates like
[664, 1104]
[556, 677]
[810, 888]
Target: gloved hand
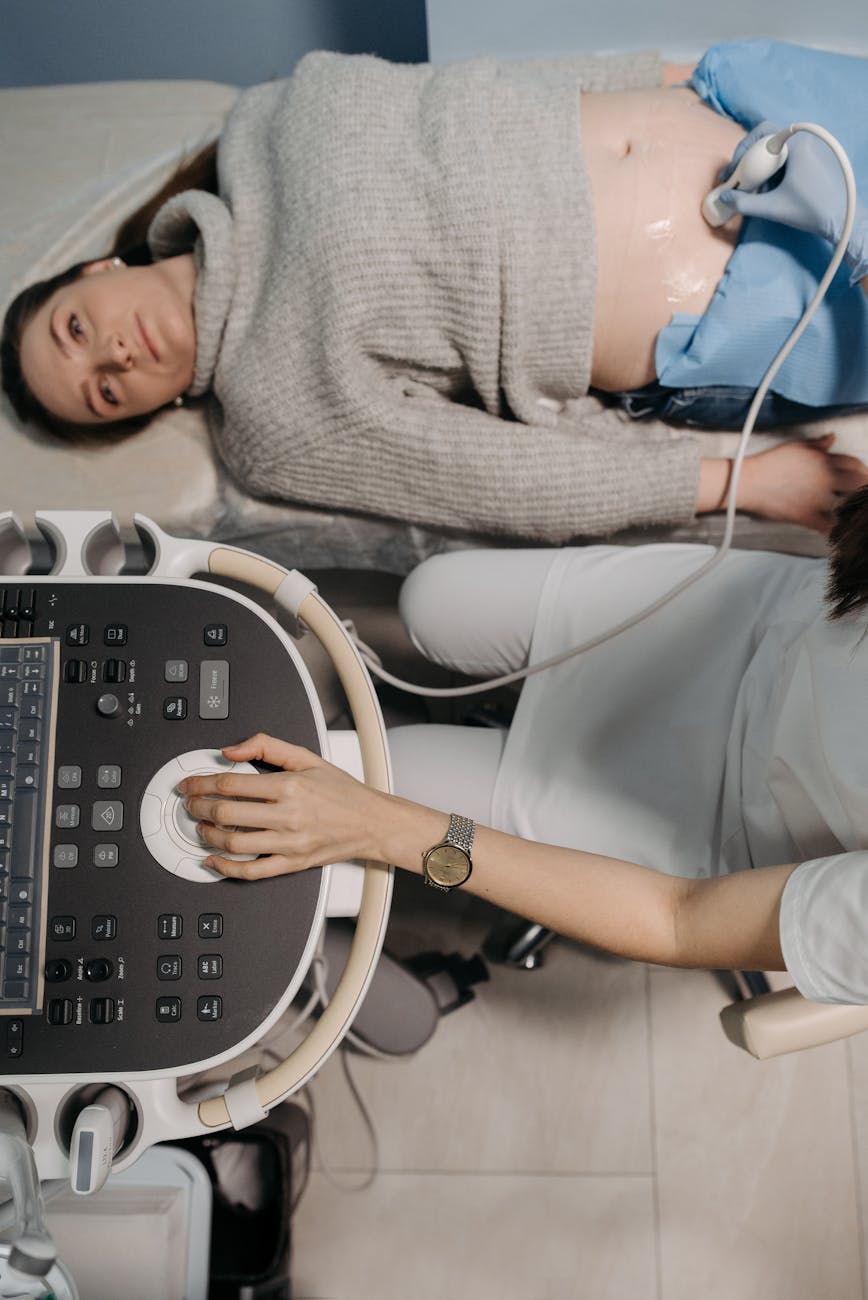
[811, 195]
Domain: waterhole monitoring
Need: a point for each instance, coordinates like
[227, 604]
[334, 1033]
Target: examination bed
[76, 160]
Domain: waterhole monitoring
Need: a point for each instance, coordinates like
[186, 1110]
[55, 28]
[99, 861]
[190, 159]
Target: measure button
[170, 925]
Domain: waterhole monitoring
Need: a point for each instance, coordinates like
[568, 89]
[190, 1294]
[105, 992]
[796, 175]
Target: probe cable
[775, 144]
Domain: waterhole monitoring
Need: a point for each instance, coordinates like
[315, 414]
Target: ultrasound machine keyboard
[28, 707]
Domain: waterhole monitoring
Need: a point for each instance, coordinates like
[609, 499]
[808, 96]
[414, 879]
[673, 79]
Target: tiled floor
[585, 1132]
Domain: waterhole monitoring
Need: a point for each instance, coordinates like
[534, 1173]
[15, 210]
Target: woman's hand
[306, 815]
[799, 482]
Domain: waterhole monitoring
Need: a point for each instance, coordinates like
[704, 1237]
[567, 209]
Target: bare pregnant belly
[651, 156]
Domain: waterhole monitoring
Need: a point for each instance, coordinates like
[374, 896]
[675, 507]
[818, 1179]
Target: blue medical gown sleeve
[754, 80]
[824, 928]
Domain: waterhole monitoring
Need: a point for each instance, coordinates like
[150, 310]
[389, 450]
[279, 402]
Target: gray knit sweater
[394, 305]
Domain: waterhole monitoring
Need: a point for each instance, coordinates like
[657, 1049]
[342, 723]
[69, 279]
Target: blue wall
[236, 41]
[681, 29]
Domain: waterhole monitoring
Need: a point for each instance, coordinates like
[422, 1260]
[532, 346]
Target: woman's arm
[312, 812]
[798, 483]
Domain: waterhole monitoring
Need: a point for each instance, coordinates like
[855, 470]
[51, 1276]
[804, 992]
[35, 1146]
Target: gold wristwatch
[448, 864]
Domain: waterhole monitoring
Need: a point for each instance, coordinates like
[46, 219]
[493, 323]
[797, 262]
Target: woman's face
[118, 342]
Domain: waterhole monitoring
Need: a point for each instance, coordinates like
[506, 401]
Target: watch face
[448, 865]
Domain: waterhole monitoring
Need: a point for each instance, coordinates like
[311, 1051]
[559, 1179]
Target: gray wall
[679, 28]
[236, 41]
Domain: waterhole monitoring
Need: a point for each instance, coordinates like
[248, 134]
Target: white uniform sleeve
[824, 928]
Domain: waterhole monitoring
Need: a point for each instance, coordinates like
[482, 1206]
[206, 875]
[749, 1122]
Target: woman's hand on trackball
[306, 815]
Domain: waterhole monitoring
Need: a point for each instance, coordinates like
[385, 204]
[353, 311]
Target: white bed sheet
[77, 159]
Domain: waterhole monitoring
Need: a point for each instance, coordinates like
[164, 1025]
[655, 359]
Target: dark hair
[847, 588]
[197, 173]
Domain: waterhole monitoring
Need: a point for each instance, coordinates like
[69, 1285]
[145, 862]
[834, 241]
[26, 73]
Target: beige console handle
[373, 913]
[784, 1021]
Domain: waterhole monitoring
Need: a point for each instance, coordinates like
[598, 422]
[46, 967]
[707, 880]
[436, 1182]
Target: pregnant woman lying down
[402, 289]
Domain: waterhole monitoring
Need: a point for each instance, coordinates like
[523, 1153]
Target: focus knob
[108, 706]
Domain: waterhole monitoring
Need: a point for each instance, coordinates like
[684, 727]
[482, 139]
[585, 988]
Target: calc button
[168, 1010]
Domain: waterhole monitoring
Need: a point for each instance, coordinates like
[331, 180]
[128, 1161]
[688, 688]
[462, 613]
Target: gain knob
[108, 706]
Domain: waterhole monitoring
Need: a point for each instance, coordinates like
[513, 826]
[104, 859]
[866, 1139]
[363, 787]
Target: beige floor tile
[544, 1071]
[755, 1165]
[857, 1057]
[448, 1237]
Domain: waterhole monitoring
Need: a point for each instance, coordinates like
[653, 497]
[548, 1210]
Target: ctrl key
[14, 1038]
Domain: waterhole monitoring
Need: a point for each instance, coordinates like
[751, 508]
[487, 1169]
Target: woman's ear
[103, 264]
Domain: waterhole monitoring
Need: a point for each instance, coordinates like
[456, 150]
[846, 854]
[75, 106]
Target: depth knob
[108, 706]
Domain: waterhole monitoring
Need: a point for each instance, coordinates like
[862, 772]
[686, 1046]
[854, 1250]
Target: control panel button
[60, 1011]
[108, 706]
[176, 670]
[98, 969]
[62, 928]
[69, 777]
[170, 925]
[75, 670]
[14, 1037]
[214, 688]
[105, 855]
[107, 814]
[65, 855]
[67, 816]
[210, 966]
[104, 927]
[175, 707]
[77, 634]
[169, 967]
[210, 1007]
[215, 634]
[108, 776]
[58, 970]
[101, 1011]
[210, 925]
[168, 1010]
[114, 670]
[115, 634]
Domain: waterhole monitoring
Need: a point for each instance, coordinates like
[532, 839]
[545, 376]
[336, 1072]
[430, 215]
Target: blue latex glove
[811, 195]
